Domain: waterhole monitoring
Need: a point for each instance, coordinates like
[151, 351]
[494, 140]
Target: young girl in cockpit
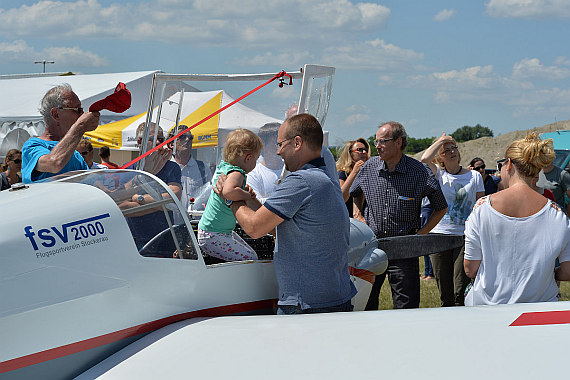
[216, 235]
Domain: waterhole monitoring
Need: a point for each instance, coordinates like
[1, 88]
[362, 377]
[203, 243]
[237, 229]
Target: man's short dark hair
[175, 131]
[104, 152]
[398, 130]
[308, 127]
[268, 132]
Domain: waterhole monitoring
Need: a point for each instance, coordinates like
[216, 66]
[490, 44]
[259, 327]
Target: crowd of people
[515, 225]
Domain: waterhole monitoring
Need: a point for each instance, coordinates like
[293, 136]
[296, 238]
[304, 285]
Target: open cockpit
[158, 224]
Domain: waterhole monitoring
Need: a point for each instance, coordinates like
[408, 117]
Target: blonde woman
[513, 237]
[354, 154]
[461, 188]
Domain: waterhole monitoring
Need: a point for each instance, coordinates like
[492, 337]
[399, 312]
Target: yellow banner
[205, 134]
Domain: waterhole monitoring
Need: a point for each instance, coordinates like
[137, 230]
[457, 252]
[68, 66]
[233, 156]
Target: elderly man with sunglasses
[65, 123]
[195, 173]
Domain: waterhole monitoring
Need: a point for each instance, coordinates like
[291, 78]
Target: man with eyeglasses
[388, 191]
[65, 123]
[308, 212]
[194, 173]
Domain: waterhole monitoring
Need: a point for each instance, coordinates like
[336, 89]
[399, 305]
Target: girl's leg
[225, 246]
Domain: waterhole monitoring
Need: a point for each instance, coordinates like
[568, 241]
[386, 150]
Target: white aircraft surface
[78, 284]
[79, 299]
[445, 343]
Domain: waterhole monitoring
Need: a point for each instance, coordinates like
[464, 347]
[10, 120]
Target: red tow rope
[282, 82]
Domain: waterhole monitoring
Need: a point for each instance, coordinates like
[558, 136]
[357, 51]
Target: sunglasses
[500, 163]
[185, 137]
[450, 149]
[361, 150]
[479, 167]
[86, 152]
[17, 161]
[151, 139]
[78, 110]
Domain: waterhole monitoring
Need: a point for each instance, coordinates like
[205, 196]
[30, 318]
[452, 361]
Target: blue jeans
[296, 309]
[428, 271]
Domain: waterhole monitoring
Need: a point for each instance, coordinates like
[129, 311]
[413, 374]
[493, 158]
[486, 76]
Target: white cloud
[444, 15]
[356, 119]
[281, 59]
[561, 61]
[371, 55]
[528, 8]
[20, 51]
[523, 91]
[75, 56]
[285, 93]
[218, 22]
[531, 68]
[358, 108]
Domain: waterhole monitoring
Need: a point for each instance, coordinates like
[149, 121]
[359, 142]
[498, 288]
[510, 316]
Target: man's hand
[250, 191]
[88, 121]
[156, 160]
[219, 186]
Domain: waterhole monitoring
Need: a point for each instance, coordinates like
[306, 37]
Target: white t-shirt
[193, 185]
[263, 180]
[460, 192]
[98, 166]
[517, 254]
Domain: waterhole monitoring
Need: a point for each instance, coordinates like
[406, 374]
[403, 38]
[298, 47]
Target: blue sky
[432, 65]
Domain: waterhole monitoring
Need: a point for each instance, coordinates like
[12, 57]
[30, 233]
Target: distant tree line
[415, 145]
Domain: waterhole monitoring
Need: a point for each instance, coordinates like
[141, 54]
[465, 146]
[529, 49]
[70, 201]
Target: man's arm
[432, 221]
[62, 152]
[255, 223]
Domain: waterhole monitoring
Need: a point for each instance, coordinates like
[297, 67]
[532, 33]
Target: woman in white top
[461, 188]
[513, 237]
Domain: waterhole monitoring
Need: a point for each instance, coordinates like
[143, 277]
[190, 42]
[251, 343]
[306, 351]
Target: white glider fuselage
[75, 286]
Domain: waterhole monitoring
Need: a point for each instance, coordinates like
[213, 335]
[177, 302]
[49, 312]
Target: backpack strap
[202, 171]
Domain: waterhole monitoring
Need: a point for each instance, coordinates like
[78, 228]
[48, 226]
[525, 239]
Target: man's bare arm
[62, 152]
[255, 223]
[432, 221]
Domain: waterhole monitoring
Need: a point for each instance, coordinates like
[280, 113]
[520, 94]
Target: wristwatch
[229, 202]
[140, 199]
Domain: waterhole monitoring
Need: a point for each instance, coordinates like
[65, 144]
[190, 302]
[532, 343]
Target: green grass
[429, 295]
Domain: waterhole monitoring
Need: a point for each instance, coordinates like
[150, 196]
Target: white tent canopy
[21, 100]
[195, 106]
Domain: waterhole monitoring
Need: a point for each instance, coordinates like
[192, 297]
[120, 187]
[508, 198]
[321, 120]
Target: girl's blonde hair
[345, 162]
[239, 143]
[531, 154]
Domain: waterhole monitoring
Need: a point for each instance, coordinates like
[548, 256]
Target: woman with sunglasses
[513, 237]
[354, 154]
[10, 169]
[461, 188]
[491, 182]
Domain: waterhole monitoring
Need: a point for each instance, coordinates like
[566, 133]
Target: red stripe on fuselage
[72, 348]
[363, 274]
[543, 318]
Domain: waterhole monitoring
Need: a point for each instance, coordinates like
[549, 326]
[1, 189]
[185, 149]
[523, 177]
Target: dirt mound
[490, 149]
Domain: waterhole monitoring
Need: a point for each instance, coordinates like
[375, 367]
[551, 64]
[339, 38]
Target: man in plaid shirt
[389, 190]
